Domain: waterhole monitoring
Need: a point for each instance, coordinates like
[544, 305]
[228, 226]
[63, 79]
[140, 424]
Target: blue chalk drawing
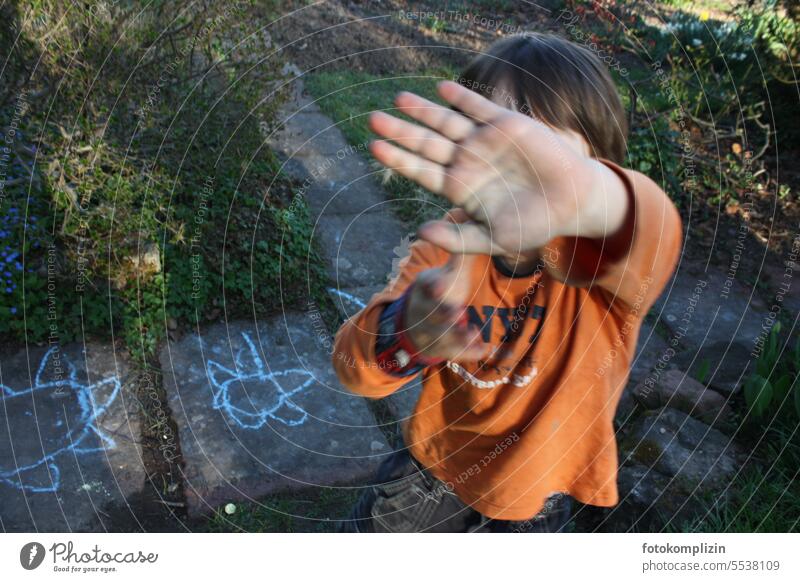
[65, 403]
[347, 297]
[269, 395]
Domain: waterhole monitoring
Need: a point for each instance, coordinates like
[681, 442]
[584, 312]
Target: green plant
[773, 388]
[142, 197]
[702, 371]
[764, 496]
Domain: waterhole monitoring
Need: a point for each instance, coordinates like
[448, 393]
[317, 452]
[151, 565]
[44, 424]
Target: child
[522, 307]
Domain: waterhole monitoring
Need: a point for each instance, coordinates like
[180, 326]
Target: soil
[389, 37]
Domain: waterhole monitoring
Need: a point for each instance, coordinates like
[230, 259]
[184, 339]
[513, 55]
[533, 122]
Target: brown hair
[564, 84]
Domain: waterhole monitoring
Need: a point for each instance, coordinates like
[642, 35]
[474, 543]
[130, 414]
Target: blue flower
[13, 310]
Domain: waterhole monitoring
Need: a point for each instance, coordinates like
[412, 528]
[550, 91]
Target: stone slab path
[258, 407]
[69, 453]
[355, 228]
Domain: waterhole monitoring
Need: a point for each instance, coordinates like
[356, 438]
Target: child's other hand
[434, 317]
[519, 181]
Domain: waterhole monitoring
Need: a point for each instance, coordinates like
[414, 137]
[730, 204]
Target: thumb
[464, 237]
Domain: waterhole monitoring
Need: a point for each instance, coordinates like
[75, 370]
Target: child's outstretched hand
[517, 179]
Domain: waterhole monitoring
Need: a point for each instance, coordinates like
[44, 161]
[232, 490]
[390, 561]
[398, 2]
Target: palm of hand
[519, 183]
[511, 185]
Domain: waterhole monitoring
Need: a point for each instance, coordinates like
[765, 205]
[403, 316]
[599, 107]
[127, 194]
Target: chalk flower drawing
[64, 403]
[251, 395]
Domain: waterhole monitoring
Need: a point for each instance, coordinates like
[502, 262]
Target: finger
[447, 122]
[427, 174]
[457, 279]
[476, 106]
[458, 215]
[425, 142]
[463, 238]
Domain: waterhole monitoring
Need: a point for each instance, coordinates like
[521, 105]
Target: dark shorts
[406, 498]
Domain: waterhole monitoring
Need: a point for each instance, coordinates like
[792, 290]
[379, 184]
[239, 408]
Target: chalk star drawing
[250, 395]
[63, 403]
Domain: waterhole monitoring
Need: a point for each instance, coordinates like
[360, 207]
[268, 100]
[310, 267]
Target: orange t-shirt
[536, 417]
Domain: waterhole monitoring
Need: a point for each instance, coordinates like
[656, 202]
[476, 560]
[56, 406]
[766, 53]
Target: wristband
[400, 356]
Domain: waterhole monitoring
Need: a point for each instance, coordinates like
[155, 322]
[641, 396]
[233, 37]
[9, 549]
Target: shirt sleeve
[632, 266]
[354, 350]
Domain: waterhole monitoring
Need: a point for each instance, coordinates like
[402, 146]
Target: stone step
[70, 455]
[259, 410]
[702, 306]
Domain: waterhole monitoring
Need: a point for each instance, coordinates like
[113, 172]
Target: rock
[675, 389]
[728, 364]
[781, 278]
[668, 463]
[640, 485]
[333, 185]
[70, 451]
[335, 176]
[649, 348]
[650, 500]
[704, 306]
[260, 410]
[142, 264]
[681, 447]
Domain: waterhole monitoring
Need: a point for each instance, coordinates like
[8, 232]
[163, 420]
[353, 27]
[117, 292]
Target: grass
[348, 97]
[764, 497]
[316, 511]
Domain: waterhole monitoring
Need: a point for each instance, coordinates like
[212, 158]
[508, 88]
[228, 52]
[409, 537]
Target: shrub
[146, 192]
